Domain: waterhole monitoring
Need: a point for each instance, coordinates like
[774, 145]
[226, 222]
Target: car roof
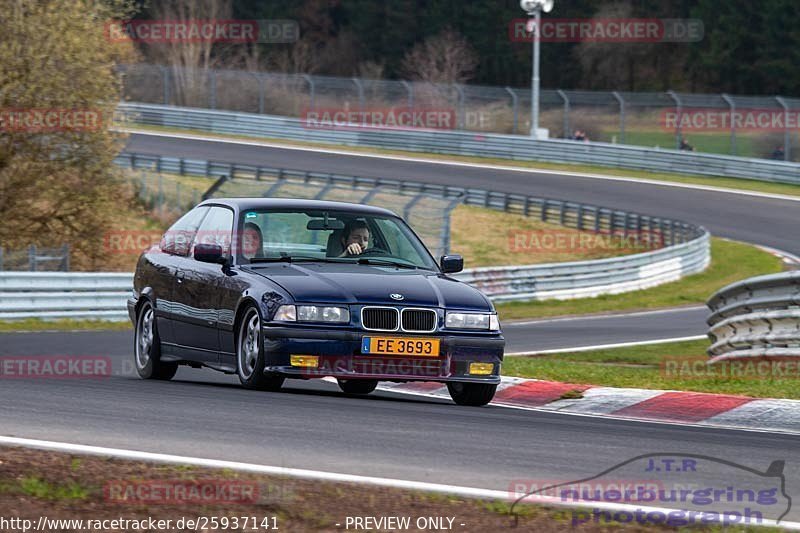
[244, 204]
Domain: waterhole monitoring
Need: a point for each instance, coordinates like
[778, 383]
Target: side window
[178, 238]
[217, 228]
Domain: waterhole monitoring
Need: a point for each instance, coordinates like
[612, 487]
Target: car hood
[371, 284]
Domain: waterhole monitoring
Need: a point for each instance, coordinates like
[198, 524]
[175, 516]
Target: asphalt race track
[767, 221]
[312, 425]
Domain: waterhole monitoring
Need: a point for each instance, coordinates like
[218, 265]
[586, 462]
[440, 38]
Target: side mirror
[451, 264]
[209, 253]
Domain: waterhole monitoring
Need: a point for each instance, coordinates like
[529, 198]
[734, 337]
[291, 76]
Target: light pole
[534, 8]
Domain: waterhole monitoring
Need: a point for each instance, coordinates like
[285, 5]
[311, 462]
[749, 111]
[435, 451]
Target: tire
[357, 386]
[472, 394]
[147, 347]
[250, 354]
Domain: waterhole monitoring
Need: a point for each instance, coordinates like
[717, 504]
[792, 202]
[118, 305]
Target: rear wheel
[147, 347]
[474, 394]
[358, 386]
[250, 354]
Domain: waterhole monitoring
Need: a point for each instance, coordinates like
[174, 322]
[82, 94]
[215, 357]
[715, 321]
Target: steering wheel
[373, 251]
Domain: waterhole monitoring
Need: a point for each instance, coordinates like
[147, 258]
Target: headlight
[312, 313]
[286, 313]
[472, 321]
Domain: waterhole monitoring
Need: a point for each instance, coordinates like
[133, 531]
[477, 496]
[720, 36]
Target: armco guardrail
[756, 318]
[102, 295]
[583, 279]
[571, 214]
[462, 143]
[77, 295]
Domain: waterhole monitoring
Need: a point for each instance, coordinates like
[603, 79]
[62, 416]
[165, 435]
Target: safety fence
[35, 258]
[751, 126]
[487, 145]
[756, 318]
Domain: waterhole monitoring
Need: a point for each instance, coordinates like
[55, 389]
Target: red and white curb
[694, 408]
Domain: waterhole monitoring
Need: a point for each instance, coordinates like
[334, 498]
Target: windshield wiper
[291, 259]
[388, 262]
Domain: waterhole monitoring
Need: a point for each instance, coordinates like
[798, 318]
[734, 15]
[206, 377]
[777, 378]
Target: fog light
[481, 369]
[306, 361]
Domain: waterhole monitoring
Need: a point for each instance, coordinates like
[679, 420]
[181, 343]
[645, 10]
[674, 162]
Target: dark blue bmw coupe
[271, 289]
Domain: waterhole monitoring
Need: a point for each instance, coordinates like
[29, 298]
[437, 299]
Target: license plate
[400, 346]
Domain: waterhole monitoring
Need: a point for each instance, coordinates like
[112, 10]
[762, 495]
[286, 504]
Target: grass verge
[486, 237]
[94, 489]
[713, 181]
[730, 261]
[37, 324]
[668, 366]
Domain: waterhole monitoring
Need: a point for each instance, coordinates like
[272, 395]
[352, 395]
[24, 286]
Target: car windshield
[330, 236]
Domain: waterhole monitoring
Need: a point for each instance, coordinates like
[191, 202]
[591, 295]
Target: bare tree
[371, 70]
[189, 59]
[443, 58]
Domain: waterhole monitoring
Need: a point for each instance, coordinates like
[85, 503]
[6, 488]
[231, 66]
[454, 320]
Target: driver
[355, 238]
[252, 241]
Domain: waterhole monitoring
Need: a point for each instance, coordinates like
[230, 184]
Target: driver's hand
[354, 249]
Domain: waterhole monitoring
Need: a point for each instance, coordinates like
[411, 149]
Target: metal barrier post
[410, 205]
[461, 118]
[446, 225]
[621, 116]
[261, 78]
[732, 106]
[678, 111]
[514, 107]
[360, 88]
[165, 83]
[311, 90]
[787, 140]
[32, 258]
[64, 258]
[212, 103]
[564, 97]
[410, 91]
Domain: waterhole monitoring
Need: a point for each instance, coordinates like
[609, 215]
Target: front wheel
[473, 394]
[147, 347]
[357, 386]
[250, 354]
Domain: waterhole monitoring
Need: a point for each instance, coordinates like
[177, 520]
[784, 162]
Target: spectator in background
[580, 135]
[778, 153]
[685, 145]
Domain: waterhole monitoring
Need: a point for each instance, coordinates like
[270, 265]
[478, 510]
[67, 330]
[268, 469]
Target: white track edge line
[615, 345]
[336, 151]
[336, 477]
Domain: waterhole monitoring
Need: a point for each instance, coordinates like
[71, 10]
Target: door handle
[180, 276]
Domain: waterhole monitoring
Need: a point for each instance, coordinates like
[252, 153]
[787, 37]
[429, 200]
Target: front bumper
[340, 356]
